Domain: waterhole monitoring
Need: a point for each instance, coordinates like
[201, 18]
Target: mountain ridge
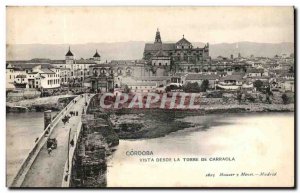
[134, 50]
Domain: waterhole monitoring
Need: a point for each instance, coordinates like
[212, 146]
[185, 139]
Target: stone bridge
[40, 169]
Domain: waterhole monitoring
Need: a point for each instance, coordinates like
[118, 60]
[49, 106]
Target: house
[65, 76]
[199, 78]
[257, 65]
[50, 77]
[230, 82]
[10, 77]
[254, 72]
[21, 81]
[142, 86]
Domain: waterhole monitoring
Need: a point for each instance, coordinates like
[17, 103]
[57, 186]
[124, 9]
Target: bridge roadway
[47, 170]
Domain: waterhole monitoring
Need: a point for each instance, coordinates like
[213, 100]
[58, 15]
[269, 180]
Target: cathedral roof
[183, 41]
[157, 47]
[161, 53]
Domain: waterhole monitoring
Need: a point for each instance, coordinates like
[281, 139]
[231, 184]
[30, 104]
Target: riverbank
[40, 104]
[153, 123]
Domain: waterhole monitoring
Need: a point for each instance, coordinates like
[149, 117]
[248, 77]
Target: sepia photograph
[150, 97]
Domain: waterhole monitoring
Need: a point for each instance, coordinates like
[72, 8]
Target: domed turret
[97, 57]
[69, 57]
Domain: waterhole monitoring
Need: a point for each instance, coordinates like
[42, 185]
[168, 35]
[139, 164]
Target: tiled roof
[102, 65]
[123, 62]
[180, 74]
[21, 76]
[57, 61]
[47, 66]
[157, 47]
[47, 71]
[202, 77]
[152, 78]
[255, 70]
[142, 84]
[161, 53]
[238, 73]
[84, 61]
[23, 66]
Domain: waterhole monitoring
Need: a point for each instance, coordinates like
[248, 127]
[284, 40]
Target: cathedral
[176, 53]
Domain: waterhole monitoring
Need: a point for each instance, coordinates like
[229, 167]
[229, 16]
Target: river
[21, 131]
[258, 143]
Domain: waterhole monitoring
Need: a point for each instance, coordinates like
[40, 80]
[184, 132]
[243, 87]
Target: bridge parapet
[27, 162]
[68, 165]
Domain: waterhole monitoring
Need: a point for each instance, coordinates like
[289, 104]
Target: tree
[172, 87]
[191, 87]
[258, 85]
[285, 98]
[204, 86]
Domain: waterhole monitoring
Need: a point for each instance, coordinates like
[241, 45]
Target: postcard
[150, 97]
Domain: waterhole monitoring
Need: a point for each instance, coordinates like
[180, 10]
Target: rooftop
[202, 77]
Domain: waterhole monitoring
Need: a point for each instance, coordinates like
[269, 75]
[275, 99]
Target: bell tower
[157, 37]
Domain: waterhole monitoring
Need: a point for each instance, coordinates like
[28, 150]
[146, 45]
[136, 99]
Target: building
[181, 51]
[230, 82]
[199, 78]
[24, 74]
[74, 71]
[142, 86]
[255, 72]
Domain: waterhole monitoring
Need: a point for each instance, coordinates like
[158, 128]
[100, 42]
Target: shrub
[191, 87]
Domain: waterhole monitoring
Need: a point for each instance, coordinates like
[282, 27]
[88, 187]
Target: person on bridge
[49, 150]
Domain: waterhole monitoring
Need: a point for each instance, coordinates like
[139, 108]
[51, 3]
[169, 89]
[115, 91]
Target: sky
[79, 25]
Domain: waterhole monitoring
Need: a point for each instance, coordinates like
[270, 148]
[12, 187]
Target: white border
[108, 3]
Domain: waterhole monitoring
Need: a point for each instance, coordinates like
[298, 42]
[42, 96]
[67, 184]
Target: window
[9, 76]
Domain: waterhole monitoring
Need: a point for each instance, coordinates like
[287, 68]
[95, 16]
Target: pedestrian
[49, 150]
[72, 142]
